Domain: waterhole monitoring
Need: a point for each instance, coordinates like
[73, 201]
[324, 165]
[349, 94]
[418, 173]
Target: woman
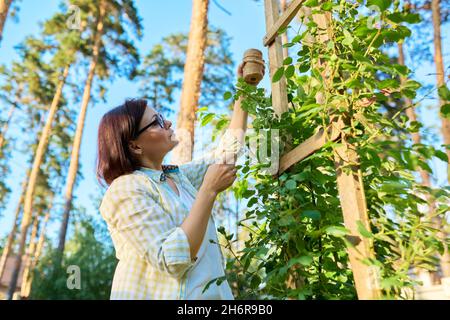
[159, 216]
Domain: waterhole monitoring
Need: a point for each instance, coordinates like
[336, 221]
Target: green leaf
[311, 3]
[305, 260]
[303, 67]
[256, 280]
[313, 214]
[381, 4]
[399, 17]
[445, 110]
[221, 230]
[297, 38]
[327, 6]
[289, 72]
[353, 83]
[363, 231]
[388, 83]
[251, 202]
[444, 92]
[348, 38]
[282, 30]
[248, 193]
[287, 61]
[291, 184]
[302, 176]
[278, 74]
[336, 231]
[411, 84]
[227, 95]
[207, 119]
[441, 155]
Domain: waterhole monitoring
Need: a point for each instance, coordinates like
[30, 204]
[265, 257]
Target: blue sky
[246, 26]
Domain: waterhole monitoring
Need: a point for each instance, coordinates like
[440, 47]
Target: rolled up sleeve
[142, 222]
[176, 248]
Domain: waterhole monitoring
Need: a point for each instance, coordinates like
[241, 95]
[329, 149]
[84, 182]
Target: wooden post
[354, 209]
[279, 93]
[352, 197]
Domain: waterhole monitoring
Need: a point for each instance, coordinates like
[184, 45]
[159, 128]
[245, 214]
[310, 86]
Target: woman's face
[154, 142]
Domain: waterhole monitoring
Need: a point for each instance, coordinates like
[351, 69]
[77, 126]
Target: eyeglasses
[159, 120]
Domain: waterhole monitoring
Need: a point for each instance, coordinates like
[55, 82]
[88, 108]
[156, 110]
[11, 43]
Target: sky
[246, 27]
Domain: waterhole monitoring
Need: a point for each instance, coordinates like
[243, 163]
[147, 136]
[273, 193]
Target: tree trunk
[73, 168]
[37, 254]
[34, 250]
[12, 234]
[38, 159]
[193, 73]
[4, 8]
[6, 125]
[29, 254]
[440, 74]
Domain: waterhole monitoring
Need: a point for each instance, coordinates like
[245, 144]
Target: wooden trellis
[349, 182]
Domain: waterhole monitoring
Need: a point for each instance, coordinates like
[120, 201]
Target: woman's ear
[134, 148]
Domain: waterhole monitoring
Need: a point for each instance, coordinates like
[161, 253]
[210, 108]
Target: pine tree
[39, 89]
[193, 72]
[108, 41]
[4, 9]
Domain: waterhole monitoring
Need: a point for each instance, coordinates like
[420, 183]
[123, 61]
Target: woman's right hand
[219, 177]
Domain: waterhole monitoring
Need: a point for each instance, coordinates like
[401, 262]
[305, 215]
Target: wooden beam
[352, 199]
[310, 145]
[279, 93]
[282, 21]
[354, 209]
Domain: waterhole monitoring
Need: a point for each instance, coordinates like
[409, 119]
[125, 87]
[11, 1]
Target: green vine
[296, 245]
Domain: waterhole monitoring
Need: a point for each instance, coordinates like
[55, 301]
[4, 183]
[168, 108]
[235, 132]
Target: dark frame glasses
[159, 120]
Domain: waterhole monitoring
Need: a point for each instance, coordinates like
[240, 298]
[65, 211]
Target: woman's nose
[168, 123]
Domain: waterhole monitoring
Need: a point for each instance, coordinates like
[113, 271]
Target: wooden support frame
[348, 173]
[311, 145]
[354, 208]
[279, 92]
[282, 21]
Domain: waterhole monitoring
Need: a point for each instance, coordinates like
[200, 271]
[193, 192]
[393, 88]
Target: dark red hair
[117, 127]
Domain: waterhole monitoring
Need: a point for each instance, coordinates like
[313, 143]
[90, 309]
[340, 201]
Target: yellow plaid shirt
[144, 215]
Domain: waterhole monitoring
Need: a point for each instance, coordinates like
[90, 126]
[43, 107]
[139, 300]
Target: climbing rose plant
[296, 245]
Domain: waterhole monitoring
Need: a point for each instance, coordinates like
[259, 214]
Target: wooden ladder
[349, 183]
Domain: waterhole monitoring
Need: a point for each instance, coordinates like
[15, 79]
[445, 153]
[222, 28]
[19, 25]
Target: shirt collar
[161, 175]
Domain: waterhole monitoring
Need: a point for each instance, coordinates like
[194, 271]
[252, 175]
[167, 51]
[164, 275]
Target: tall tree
[12, 234]
[5, 126]
[193, 71]
[162, 70]
[110, 16]
[63, 45]
[41, 80]
[46, 198]
[4, 9]
[440, 80]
